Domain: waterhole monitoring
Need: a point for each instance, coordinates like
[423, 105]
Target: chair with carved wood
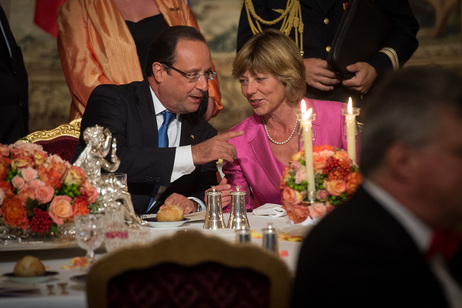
[189, 269]
[61, 140]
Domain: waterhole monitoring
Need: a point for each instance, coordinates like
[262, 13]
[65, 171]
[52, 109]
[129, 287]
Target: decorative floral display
[38, 191]
[336, 179]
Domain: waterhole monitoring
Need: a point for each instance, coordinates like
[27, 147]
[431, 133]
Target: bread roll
[170, 212]
[29, 266]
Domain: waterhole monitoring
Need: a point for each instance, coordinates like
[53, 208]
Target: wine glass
[89, 232]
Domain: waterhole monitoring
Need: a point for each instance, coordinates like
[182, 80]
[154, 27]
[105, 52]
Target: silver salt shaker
[214, 214]
[270, 238]
[243, 236]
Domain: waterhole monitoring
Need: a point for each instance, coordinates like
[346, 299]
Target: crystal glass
[116, 229]
[89, 232]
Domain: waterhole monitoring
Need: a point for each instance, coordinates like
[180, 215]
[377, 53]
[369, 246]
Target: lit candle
[307, 117]
[350, 122]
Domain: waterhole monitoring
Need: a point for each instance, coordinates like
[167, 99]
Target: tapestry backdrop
[440, 42]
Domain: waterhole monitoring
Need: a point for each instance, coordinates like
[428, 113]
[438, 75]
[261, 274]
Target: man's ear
[402, 161]
[158, 71]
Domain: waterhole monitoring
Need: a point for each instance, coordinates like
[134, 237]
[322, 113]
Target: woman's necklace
[274, 141]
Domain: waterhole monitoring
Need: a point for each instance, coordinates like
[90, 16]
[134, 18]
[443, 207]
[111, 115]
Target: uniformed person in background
[314, 35]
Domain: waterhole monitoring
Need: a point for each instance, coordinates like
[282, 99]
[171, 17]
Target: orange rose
[342, 155]
[325, 147]
[335, 187]
[6, 187]
[22, 162]
[40, 157]
[60, 209]
[14, 213]
[4, 167]
[80, 207]
[319, 162]
[291, 195]
[88, 192]
[353, 181]
[44, 193]
[74, 175]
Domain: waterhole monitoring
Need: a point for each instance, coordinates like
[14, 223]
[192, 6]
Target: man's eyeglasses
[195, 77]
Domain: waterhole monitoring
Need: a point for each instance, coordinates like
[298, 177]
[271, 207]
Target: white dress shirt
[183, 163]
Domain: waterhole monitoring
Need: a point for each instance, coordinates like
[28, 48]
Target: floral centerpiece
[336, 179]
[39, 192]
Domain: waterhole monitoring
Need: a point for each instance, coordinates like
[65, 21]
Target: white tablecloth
[55, 258]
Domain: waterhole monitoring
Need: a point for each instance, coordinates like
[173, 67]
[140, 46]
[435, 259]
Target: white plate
[32, 279]
[166, 224]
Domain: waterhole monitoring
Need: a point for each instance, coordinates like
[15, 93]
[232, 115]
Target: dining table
[66, 286]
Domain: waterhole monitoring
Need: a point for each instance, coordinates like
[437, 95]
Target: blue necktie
[163, 137]
[163, 143]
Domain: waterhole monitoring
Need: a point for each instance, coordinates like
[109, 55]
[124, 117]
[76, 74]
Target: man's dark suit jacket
[128, 112]
[360, 256]
[14, 115]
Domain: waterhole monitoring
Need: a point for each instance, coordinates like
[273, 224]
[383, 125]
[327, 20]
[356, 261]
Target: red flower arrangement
[38, 191]
[336, 179]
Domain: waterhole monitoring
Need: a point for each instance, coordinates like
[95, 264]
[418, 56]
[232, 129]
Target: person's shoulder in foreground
[371, 251]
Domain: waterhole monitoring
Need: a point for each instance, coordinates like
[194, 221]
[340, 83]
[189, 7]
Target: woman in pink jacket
[272, 77]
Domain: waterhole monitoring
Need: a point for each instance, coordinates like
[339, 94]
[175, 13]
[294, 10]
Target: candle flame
[350, 106]
[303, 106]
[307, 115]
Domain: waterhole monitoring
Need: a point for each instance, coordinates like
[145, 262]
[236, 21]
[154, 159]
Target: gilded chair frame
[71, 129]
[189, 248]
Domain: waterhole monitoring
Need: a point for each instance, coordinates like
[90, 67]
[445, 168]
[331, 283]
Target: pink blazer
[257, 171]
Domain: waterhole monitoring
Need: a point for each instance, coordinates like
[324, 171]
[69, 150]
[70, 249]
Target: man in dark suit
[14, 115]
[178, 71]
[321, 19]
[374, 250]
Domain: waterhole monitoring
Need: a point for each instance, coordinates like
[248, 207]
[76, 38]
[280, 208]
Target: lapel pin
[192, 136]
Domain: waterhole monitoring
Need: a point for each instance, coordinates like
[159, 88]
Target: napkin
[270, 209]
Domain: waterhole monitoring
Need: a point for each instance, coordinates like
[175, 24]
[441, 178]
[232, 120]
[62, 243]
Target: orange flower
[291, 195]
[6, 187]
[342, 155]
[74, 175]
[335, 187]
[325, 147]
[80, 207]
[88, 192]
[353, 181]
[27, 192]
[14, 213]
[60, 209]
[22, 162]
[319, 162]
[40, 157]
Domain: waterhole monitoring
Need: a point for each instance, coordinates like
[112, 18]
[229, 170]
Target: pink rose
[296, 165]
[44, 194]
[60, 209]
[18, 182]
[27, 192]
[291, 195]
[326, 153]
[318, 210]
[28, 174]
[27, 146]
[329, 207]
[322, 195]
[335, 187]
[300, 175]
[88, 192]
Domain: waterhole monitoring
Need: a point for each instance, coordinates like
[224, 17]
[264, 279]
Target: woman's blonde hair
[275, 53]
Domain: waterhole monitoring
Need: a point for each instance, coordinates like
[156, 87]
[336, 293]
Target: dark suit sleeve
[401, 36]
[114, 107]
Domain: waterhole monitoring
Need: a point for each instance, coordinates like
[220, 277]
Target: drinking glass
[89, 232]
[116, 230]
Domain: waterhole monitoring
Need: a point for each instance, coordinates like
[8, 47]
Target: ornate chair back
[189, 269]
[61, 140]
